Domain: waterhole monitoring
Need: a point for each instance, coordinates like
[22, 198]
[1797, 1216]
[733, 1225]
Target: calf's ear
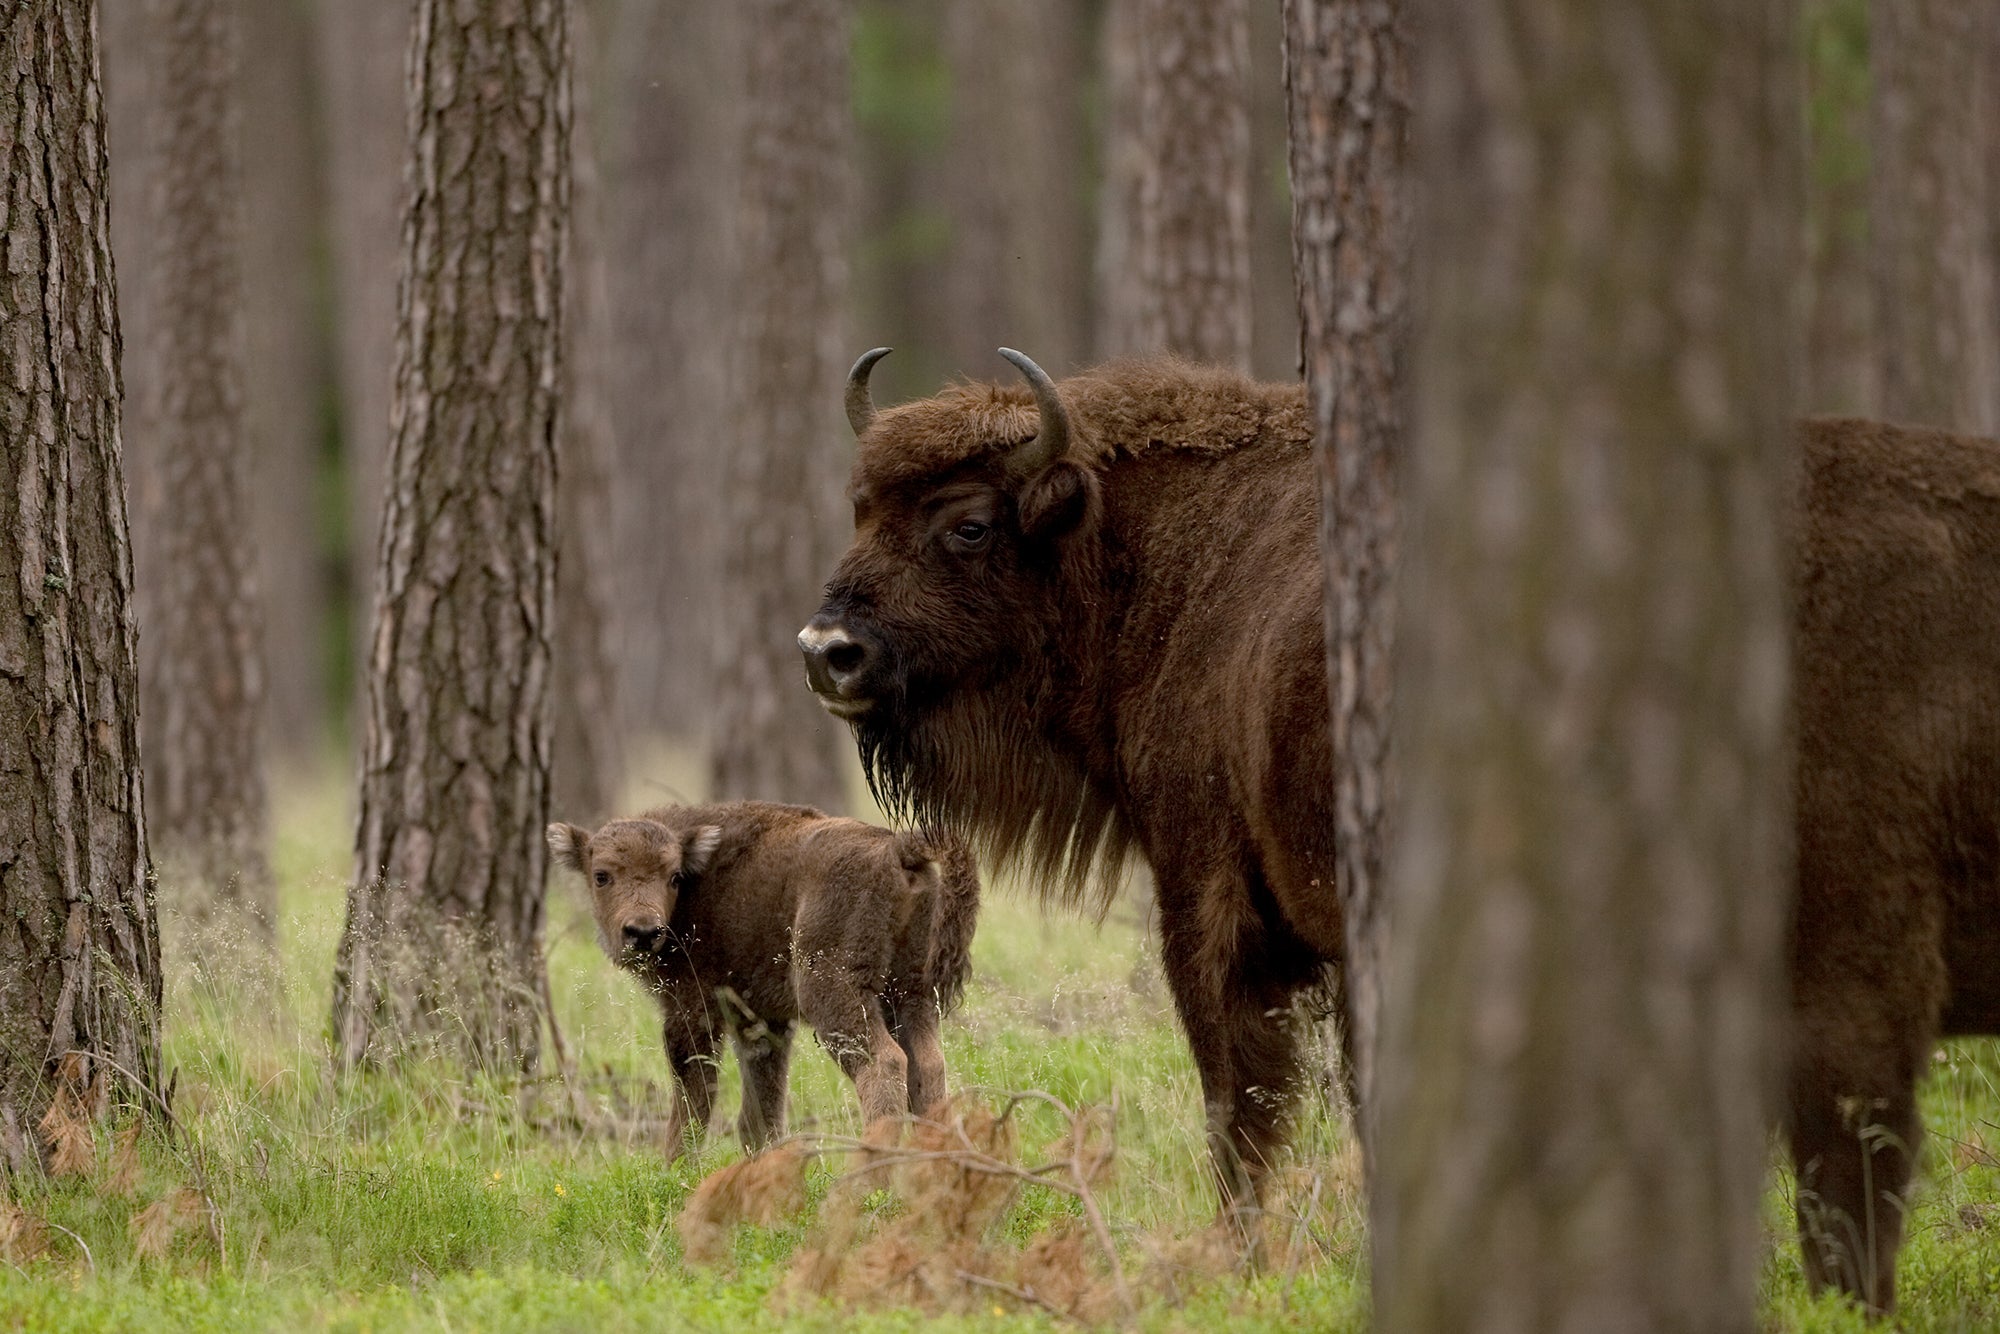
[569, 845]
[699, 849]
[1060, 499]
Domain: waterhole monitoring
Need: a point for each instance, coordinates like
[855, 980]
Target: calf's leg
[915, 1026]
[848, 1019]
[764, 1058]
[690, 1044]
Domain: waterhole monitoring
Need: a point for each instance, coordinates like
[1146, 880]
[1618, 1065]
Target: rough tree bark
[364, 46]
[588, 760]
[1347, 80]
[786, 461]
[1194, 198]
[444, 922]
[80, 960]
[1274, 306]
[1592, 867]
[202, 684]
[1930, 223]
[674, 75]
[288, 366]
[1014, 184]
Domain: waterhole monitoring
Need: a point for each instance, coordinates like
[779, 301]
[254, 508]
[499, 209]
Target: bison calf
[749, 917]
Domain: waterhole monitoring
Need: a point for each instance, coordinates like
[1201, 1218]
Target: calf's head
[966, 508]
[636, 870]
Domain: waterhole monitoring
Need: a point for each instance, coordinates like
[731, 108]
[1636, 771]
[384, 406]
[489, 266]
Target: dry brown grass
[160, 1224]
[66, 1125]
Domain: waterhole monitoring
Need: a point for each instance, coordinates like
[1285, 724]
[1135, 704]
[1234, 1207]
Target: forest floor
[421, 1199]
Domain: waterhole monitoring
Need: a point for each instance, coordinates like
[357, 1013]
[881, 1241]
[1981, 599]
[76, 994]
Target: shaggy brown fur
[1897, 934]
[749, 917]
[1131, 654]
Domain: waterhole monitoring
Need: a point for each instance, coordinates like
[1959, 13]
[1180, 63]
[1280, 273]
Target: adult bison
[1077, 622]
[1084, 619]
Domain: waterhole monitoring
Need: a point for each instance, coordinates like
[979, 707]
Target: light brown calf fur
[749, 917]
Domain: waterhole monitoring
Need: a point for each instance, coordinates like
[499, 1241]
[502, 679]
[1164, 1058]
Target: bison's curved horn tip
[860, 406]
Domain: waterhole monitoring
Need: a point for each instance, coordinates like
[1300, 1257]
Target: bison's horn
[1051, 440]
[860, 407]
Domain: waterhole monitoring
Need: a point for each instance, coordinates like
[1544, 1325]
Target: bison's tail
[956, 911]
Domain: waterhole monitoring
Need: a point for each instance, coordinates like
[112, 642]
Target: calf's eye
[602, 878]
[970, 534]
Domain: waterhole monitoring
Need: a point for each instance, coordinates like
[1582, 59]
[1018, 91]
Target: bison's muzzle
[839, 665]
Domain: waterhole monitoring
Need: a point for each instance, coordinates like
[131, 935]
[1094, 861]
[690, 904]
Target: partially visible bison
[748, 917]
[1084, 618]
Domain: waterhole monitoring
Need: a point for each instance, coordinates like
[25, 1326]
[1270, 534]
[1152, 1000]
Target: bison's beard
[978, 761]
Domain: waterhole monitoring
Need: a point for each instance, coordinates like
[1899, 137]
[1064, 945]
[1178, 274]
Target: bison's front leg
[1236, 1008]
[690, 1043]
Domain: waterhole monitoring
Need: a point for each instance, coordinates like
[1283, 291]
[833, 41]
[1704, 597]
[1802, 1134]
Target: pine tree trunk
[1592, 868]
[444, 923]
[588, 767]
[80, 962]
[1121, 287]
[1841, 365]
[786, 465]
[1194, 197]
[364, 48]
[1347, 78]
[674, 75]
[288, 366]
[1931, 230]
[1274, 306]
[202, 701]
[1014, 184]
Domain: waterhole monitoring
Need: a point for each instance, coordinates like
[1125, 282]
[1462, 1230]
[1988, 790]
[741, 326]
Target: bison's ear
[1060, 499]
[569, 845]
[699, 850]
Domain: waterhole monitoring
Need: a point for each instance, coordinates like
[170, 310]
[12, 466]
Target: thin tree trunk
[1014, 183]
[588, 768]
[80, 960]
[1841, 365]
[785, 465]
[1347, 78]
[364, 47]
[1592, 865]
[674, 74]
[1121, 283]
[444, 923]
[1274, 305]
[288, 366]
[1936, 296]
[203, 704]
[1194, 199]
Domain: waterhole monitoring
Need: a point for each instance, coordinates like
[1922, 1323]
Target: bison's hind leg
[1854, 1141]
[849, 1021]
[764, 1055]
[1240, 1022]
[915, 1026]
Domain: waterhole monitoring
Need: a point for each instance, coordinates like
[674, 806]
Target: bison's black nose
[643, 938]
[836, 664]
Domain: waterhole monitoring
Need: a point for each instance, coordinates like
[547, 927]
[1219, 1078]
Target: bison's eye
[602, 878]
[970, 535]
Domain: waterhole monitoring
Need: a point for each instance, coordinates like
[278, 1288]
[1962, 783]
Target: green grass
[427, 1200]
